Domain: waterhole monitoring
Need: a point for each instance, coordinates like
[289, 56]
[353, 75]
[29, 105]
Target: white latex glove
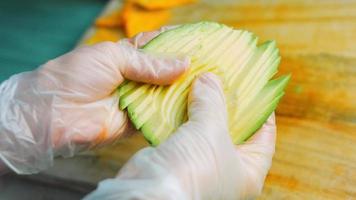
[199, 161]
[68, 104]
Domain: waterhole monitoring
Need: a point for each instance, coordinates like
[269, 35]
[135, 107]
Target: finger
[206, 101]
[148, 68]
[266, 135]
[259, 149]
[207, 118]
[263, 141]
[141, 39]
[88, 125]
[91, 73]
[115, 123]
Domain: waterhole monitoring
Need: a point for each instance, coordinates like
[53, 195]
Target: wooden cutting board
[316, 145]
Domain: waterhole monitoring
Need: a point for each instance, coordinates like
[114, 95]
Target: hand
[68, 104]
[199, 161]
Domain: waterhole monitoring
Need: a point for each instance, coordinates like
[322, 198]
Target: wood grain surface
[316, 145]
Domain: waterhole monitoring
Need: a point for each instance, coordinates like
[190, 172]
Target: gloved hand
[68, 104]
[199, 161]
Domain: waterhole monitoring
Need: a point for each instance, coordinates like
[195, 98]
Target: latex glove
[68, 104]
[199, 161]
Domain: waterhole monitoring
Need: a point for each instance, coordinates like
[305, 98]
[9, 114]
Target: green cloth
[34, 31]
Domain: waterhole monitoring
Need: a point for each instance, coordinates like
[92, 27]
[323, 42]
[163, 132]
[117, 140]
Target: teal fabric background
[34, 31]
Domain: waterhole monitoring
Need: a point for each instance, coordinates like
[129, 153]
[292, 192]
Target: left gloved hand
[68, 105]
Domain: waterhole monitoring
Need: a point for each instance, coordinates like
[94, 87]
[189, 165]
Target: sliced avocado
[244, 68]
[251, 117]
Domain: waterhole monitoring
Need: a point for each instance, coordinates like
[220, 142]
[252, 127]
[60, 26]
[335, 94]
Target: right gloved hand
[199, 161]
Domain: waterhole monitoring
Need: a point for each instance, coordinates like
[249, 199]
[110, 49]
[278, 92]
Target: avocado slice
[244, 67]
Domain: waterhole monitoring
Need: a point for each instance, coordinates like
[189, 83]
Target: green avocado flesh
[244, 67]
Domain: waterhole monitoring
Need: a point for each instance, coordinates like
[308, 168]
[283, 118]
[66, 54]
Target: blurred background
[316, 146]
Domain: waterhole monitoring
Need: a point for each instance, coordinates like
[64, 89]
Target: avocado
[245, 68]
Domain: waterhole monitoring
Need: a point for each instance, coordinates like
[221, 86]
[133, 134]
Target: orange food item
[103, 34]
[160, 4]
[136, 19]
[112, 20]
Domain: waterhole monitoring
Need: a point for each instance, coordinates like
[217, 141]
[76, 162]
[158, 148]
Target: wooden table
[316, 146]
